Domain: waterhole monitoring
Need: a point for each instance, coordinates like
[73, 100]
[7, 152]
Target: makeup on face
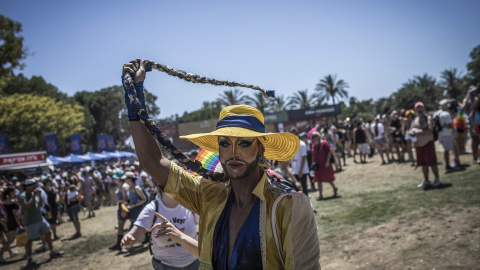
[236, 153]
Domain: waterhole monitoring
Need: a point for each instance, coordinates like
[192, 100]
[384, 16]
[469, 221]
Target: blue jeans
[160, 266]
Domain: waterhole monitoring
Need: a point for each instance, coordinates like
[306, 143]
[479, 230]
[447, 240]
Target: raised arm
[146, 147]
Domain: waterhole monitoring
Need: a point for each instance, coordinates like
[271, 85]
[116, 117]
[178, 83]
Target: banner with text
[52, 144]
[323, 111]
[4, 144]
[111, 143]
[101, 142]
[75, 144]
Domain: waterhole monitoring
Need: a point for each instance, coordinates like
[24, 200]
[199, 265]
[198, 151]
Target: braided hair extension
[129, 82]
[161, 137]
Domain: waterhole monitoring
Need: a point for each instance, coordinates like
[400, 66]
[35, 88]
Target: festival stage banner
[101, 142]
[4, 144]
[52, 144]
[322, 111]
[75, 144]
[111, 143]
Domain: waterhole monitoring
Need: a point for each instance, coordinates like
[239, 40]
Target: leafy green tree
[11, 46]
[209, 110]
[279, 103]
[232, 97]
[431, 92]
[473, 76]
[302, 100]
[26, 119]
[258, 101]
[329, 87]
[107, 108]
[35, 86]
[452, 82]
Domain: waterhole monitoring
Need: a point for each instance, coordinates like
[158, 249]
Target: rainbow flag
[209, 160]
[460, 122]
[124, 207]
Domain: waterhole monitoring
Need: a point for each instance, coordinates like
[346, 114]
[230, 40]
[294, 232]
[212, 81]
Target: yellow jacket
[297, 229]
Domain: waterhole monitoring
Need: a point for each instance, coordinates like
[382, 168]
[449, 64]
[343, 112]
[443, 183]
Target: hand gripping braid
[137, 111]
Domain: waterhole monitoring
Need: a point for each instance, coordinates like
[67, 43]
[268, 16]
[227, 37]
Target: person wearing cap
[467, 107]
[445, 136]
[35, 225]
[235, 229]
[300, 167]
[422, 129]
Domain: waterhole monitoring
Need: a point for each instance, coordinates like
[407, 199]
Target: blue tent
[74, 159]
[119, 154]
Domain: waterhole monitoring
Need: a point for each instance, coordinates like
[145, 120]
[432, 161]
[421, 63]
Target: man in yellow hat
[246, 222]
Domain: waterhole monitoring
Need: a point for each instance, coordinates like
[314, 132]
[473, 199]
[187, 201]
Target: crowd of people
[37, 205]
[405, 136]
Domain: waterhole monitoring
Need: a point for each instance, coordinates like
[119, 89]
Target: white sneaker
[424, 183]
[436, 183]
[13, 253]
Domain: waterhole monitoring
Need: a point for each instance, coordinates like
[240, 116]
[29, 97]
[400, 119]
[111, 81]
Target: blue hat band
[243, 121]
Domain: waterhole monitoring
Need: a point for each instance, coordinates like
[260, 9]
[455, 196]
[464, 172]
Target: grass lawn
[380, 221]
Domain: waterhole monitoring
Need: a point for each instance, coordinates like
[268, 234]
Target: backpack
[437, 126]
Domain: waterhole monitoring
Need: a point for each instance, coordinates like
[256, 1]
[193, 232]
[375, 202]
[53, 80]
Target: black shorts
[52, 215]
[119, 211]
[12, 224]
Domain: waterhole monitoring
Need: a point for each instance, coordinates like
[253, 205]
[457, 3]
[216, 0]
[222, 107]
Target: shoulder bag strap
[274, 227]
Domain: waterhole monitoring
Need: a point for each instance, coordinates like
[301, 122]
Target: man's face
[239, 156]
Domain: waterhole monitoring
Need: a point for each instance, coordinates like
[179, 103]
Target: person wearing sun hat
[422, 129]
[236, 216]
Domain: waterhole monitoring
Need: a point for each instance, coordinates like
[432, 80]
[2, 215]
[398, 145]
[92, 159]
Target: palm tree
[279, 103]
[329, 87]
[451, 82]
[302, 100]
[232, 97]
[430, 89]
[258, 101]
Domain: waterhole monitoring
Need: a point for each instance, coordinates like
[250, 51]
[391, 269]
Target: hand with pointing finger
[167, 229]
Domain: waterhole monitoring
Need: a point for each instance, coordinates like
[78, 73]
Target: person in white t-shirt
[300, 164]
[174, 234]
[379, 137]
[446, 136]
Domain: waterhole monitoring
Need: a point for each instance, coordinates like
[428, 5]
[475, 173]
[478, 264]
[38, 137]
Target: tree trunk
[336, 119]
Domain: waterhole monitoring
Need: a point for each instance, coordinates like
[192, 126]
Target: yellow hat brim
[278, 146]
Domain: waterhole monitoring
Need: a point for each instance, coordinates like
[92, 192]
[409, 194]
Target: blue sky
[375, 46]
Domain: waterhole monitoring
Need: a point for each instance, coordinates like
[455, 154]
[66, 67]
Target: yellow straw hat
[247, 122]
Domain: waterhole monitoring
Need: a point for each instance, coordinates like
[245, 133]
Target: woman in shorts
[72, 205]
[12, 217]
[52, 213]
[380, 139]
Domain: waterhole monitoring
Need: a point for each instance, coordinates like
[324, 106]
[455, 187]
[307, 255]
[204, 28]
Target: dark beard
[250, 168]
